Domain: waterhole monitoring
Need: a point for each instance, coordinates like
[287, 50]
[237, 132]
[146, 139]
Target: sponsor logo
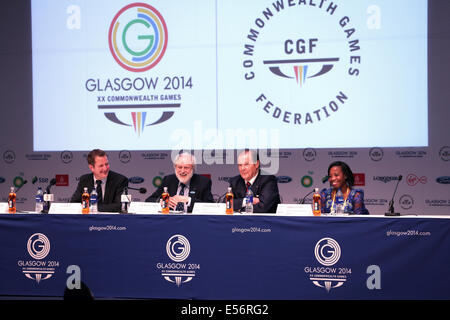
[136, 180]
[157, 181]
[376, 154]
[444, 153]
[327, 252]
[62, 180]
[18, 182]
[38, 269]
[226, 179]
[412, 179]
[39, 180]
[124, 156]
[406, 201]
[309, 154]
[284, 179]
[385, 179]
[307, 180]
[9, 156]
[443, 180]
[66, 157]
[178, 250]
[360, 179]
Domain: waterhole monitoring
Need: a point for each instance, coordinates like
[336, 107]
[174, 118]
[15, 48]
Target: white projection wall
[165, 75]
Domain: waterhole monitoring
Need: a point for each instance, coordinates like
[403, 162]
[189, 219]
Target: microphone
[141, 190]
[52, 183]
[304, 198]
[48, 198]
[23, 183]
[391, 212]
[220, 199]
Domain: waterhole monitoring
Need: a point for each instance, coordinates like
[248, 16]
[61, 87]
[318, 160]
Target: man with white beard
[185, 187]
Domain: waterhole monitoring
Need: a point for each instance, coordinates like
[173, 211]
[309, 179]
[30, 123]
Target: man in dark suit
[110, 184]
[264, 187]
[184, 187]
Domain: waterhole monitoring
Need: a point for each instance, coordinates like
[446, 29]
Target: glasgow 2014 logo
[38, 269]
[327, 252]
[138, 37]
[178, 249]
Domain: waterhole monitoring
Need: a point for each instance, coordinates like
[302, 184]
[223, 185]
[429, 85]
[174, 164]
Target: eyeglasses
[186, 167]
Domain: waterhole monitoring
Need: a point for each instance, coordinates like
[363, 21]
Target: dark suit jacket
[199, 189]
[265, 188]
[115, 184]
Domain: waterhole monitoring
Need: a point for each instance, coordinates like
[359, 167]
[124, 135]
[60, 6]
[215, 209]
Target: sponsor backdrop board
[307, 83]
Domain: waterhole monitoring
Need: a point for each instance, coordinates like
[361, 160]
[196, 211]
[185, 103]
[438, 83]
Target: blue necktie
[99, 191]
[180, 205]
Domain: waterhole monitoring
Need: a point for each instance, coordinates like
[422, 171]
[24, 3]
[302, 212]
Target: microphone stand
[47, 203]
[23, 183]
[391, 211]
[220, 199]
[304, 198]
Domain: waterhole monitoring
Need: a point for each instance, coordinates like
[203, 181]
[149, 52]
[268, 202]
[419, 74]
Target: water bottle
[339, 202]
[39, 200]
[93, 200]
[125, 199]
[249, 201]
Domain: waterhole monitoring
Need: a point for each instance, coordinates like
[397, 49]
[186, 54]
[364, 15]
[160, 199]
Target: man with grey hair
[264, 187]
[185, 187]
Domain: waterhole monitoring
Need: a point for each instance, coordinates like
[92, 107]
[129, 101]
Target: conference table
[225, 257]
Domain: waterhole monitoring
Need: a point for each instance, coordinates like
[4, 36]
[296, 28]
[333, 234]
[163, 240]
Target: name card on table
[209, 208]
[295, 209]
[144, 207]
[65, 208]
[4, 207]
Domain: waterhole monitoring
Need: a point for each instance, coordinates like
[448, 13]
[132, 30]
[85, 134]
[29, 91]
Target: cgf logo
[300, 56]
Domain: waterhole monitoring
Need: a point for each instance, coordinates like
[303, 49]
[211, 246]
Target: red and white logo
[62, 180]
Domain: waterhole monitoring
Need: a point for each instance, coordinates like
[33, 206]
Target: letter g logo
[38, 246]
[178, 248]
[327, 251]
